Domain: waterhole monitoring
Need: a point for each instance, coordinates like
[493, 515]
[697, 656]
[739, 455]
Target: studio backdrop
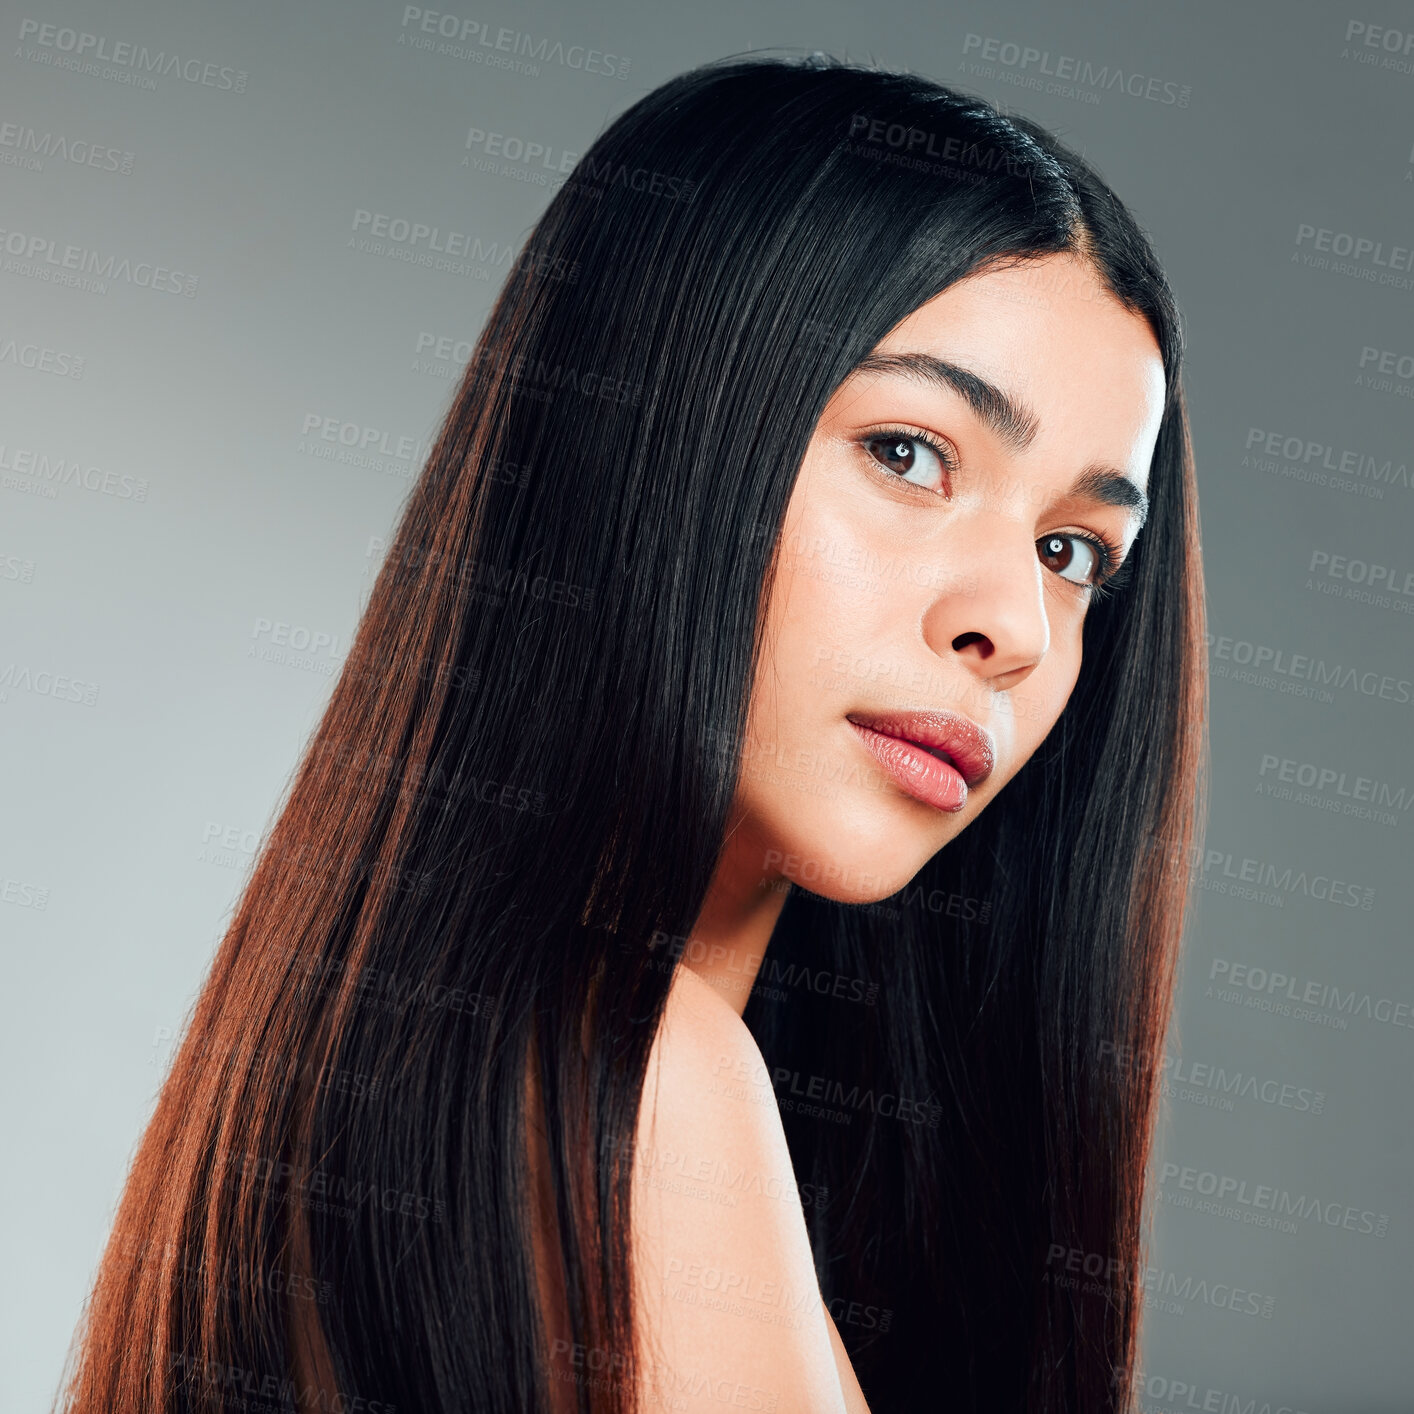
[245, 252]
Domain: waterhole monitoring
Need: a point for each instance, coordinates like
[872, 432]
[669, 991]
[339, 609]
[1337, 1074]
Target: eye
[1088, 567]
[909, 456]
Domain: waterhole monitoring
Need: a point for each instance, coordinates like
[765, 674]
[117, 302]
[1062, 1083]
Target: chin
[859, 855]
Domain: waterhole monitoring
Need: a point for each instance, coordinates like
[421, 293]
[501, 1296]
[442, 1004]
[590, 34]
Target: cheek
[808, 794]
[828, 626]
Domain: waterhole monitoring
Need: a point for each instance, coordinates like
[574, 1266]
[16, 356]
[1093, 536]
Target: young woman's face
[937, 557]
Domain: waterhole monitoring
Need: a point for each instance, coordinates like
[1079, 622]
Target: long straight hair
[520, 787]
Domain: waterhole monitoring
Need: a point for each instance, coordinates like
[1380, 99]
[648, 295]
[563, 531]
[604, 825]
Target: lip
[904, 744]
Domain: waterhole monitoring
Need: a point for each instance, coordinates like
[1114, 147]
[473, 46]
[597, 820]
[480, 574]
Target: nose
[990, 610]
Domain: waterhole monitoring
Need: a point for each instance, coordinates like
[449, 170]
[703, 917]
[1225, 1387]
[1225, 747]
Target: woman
[777, 578]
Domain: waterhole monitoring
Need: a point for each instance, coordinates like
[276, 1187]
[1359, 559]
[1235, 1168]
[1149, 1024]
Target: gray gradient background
[115, 884]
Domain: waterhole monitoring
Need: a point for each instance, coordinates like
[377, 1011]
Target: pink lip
[900, 742]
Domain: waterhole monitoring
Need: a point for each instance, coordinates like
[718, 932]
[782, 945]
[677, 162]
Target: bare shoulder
[697, 1016]
[707, 1082]
[727, 1300]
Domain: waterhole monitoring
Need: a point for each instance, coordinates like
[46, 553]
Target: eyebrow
[1012, 421]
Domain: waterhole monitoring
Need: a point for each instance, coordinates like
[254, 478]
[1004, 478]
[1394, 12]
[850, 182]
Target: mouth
[934, 757]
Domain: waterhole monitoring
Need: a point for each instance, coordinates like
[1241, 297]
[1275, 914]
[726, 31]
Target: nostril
[963, 640]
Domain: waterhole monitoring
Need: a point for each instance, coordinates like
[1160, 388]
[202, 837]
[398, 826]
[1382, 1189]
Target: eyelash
[1110, 574]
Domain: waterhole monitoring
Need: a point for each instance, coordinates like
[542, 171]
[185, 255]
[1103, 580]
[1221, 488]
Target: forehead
[1050, 334]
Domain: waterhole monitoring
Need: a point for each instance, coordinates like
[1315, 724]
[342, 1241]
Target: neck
[733, 930]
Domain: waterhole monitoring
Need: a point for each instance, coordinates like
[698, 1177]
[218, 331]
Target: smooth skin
[893, 595]
[903, 583]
